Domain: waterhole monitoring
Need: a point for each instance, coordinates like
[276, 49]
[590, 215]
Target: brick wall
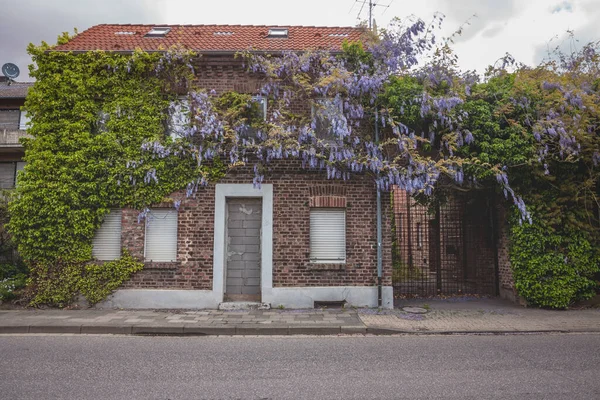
[295, 191]
[292, 192]
[505, 276]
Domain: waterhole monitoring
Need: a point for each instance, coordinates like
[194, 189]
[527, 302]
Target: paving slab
[441, 316]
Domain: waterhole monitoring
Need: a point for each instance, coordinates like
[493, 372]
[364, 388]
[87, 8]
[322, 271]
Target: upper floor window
[257, 114]
[9, 120]
[179, 118]
[325, 112]
[24, 120]
[9, 173]
[101, 124]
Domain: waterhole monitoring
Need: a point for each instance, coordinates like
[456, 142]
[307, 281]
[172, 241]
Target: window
[161, 235]
[278, 33]
[23, 120]
[101, 125]
[258, 112]
[158, 31]
[9, 120]
[327, 235]
[419, 235]
[179, 120]
[323, 112]
[106, 244]
[261, 101]
[8, 173]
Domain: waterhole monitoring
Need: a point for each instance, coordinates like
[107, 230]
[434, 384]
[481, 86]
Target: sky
[526, 29]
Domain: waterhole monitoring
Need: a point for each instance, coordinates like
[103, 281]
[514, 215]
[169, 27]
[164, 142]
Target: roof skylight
[338, 35]
[158, 31]
[278, 33]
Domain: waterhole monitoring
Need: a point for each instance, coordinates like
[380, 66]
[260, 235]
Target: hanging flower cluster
[347, 128]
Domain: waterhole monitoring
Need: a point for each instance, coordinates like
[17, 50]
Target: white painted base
[289, 297]
[304, 297]
[157, 298]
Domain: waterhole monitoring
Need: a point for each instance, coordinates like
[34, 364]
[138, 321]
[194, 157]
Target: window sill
[315, 266]
[161, 265]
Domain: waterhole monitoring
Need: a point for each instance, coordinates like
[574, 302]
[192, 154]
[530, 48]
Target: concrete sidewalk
[458, 315]
[478, 315]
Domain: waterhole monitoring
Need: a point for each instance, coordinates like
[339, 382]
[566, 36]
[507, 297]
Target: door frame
[222, 192]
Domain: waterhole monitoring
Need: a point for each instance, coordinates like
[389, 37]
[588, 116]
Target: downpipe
[379, 233]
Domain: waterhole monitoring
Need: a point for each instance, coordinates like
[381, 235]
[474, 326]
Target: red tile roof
[209, 38]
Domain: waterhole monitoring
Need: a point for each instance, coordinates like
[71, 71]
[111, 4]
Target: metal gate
[449, 249]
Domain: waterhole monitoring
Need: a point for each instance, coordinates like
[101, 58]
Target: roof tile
[210, 38]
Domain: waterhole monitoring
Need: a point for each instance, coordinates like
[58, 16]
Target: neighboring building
[13, 126]
[297, 240]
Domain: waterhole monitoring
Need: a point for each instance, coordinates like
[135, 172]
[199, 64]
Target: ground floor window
[106, 244]
[161, 235]
[327, 235]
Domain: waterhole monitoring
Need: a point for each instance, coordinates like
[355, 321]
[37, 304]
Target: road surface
[548, 366]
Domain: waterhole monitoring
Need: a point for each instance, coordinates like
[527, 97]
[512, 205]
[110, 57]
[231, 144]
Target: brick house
[297, 240]
[13, 126]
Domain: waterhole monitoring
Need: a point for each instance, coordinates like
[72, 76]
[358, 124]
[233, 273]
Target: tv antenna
[372, 4]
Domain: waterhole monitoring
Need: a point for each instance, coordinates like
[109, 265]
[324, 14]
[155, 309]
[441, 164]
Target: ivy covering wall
[91, 113]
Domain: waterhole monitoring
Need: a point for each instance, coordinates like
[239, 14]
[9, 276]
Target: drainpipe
[379, 239]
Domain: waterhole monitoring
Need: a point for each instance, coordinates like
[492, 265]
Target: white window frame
[110, 229]
[318, 234]
[152, 219]
[179, 117]
[24, 120]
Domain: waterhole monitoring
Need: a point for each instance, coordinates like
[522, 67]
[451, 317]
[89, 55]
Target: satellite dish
[10, 70]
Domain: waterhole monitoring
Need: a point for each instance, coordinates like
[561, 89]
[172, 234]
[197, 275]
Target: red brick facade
[295, 192]
[293, 189]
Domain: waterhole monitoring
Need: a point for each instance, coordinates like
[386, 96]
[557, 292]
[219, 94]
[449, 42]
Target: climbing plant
[91, 113]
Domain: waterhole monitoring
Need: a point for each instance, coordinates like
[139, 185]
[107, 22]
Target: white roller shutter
[107, 242]
[161, 235]
[327, 235]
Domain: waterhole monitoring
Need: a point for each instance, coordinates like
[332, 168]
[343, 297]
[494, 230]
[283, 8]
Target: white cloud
[522, 28]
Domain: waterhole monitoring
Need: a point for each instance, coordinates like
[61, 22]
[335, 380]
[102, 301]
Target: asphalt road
[401, 367]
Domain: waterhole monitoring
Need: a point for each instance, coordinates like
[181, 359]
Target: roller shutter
[107, 242]
[327, 235]
[161, 235]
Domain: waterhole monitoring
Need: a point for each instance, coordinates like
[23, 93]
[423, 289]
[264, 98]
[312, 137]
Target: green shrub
[9, 287]
[552, 269]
